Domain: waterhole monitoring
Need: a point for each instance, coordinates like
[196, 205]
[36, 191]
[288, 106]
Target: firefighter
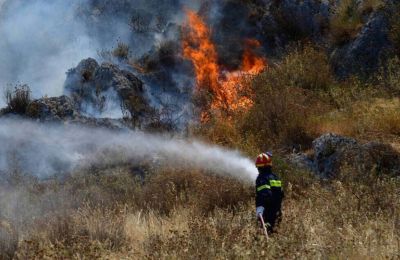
[269, 193]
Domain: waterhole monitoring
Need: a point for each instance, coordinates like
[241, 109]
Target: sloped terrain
[110, 164]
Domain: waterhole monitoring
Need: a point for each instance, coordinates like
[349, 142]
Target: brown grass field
[194, 215]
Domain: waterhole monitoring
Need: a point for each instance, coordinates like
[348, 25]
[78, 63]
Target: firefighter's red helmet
[264, 159]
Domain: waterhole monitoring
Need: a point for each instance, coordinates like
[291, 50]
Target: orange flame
[227, 88]
[251, 63]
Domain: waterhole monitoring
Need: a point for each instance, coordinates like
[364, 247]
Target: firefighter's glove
[260, 210]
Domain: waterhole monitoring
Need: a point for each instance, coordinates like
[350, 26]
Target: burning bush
[220, 91]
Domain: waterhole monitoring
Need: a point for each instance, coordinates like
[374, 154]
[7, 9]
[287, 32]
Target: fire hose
[263, 225]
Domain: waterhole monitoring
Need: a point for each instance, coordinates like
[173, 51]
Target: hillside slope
[144, 148]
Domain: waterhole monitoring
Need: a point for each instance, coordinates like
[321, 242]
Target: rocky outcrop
[363, 54]
[308, 17]
[106, 90]
[95, 95]
[301, 161]
[62, 110]
[109, 123]
[328, 153]
[333, 153]
[54, 108]
[286, 21]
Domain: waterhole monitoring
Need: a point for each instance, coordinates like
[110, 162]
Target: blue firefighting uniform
[269, 194]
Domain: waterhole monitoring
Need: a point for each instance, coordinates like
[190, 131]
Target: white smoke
[41, 40]
[45, 150]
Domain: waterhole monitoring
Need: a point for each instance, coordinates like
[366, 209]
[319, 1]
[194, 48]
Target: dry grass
[286, 95]
[372, 119]
[202, 216]
[304, 66]
[369, 6]
[122, 51]
[346, 22]
[389, 76]
[349, 17]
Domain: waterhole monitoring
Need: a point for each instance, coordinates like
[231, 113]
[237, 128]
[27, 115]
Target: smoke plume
[42, 40]
[45, 150]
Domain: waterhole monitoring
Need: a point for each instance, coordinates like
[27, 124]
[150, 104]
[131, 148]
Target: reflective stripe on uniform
[263, 187]
[275, 183]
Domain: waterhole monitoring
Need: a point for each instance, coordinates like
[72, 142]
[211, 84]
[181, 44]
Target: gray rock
[61, 109]
[363, 54]
[54, 108]
[106, 90]
[381, 157]
[328, 152]
[109, 123]
[288, 20]
[334, 153]
[301, 161]
[310, 16]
